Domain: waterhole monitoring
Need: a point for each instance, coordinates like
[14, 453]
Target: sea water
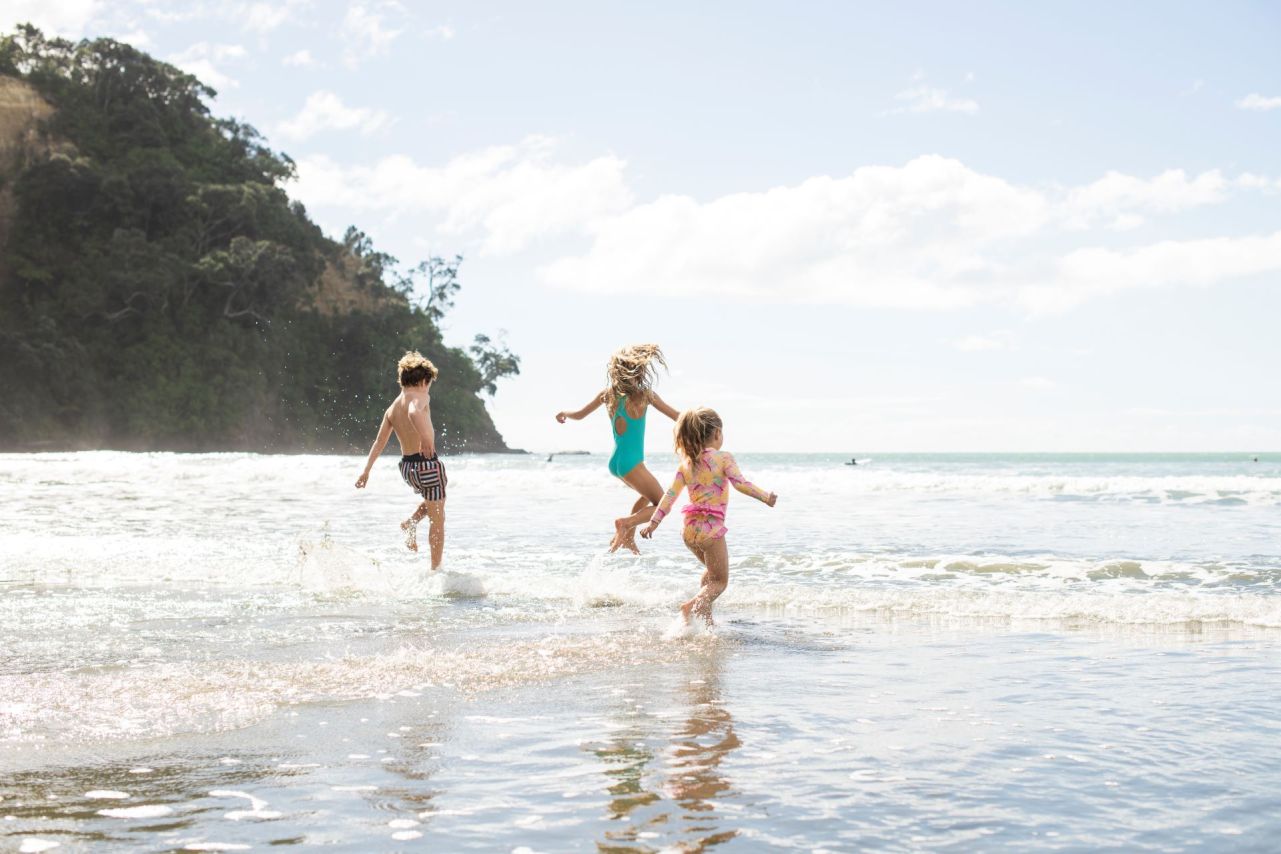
[231, 651]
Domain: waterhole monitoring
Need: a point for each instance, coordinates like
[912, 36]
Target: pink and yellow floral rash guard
[708, 487]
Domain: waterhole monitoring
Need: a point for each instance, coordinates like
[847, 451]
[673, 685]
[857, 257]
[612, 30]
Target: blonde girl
[705, 471]
[631, 373]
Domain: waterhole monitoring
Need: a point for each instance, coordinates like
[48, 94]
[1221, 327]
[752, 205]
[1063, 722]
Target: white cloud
[1251, 181]
[202, 60]
[1037, 383]
[326, 111]
[932, 234]
[1121, 199]
[66, 18]
[982, 343]
[1255, 101]
[176, 14]
[365, 33]
[444, 32]
[299, 59]
[916, 236]
[929, 99]
[135, 38]
[264, 17]
[504, 197]
[1091, 272]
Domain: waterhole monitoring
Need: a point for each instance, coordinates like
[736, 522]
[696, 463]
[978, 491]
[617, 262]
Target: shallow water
[925, 652]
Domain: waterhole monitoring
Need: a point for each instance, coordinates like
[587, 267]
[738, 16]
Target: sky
[853, 227]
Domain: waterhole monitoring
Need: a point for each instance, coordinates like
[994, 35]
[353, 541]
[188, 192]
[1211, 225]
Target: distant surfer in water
[706, 473]
[631, 373]
[409, 416]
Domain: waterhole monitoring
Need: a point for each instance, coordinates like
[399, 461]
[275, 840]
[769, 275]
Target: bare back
[410, 417]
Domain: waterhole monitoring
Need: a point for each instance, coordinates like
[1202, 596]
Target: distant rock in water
[160, 290]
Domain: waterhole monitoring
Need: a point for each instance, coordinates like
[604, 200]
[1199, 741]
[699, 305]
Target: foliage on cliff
[159, 289]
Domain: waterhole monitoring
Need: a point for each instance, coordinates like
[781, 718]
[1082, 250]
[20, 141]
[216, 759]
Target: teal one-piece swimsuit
[629, 447]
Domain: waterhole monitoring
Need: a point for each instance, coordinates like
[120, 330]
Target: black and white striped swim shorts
[425, 475]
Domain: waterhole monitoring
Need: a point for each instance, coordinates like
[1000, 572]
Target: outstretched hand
[362, 480]
[648, 530]
[561, 416]
[773, 499]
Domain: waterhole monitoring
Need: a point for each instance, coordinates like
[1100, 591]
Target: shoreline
[68, 448]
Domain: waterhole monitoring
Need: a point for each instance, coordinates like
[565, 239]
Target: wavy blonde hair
[632, 372]
[413, 368]
[694, 430]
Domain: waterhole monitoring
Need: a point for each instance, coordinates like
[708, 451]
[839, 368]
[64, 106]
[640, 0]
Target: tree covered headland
[159, 290]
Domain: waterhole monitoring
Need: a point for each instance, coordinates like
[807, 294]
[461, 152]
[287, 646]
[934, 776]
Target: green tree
[159, 289]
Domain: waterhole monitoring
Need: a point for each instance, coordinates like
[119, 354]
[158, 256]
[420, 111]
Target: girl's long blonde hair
[632, 372]
[694, 430]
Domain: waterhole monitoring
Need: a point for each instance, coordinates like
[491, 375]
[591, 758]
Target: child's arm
[420, 417]
[743, 485]
[384, 433]
[665, 505]
[663, 406]
[591, 407]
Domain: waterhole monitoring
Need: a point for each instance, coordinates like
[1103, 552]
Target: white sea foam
[680, 628]
[34, 845]
[146, 811]
[255, 803]
[213, 590]
[460, 585]
[608, 581]
[208, 696]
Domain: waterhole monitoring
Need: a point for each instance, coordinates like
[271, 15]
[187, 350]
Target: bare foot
[623, 536]
[629, 542]
[685, 611]
[410, 527]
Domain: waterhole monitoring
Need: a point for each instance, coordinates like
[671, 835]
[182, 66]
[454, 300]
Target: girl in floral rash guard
[707, 472]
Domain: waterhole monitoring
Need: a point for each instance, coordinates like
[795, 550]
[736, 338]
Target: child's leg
[715, 579]
[410, 526]
[625, 527]
[651, 493]
[697, 551]
[436, 537]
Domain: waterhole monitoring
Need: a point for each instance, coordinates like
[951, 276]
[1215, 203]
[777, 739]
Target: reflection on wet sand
[250, 798]
[74, 805]
[672, 804]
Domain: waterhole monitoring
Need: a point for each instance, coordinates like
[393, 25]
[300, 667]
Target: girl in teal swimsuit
[632, 373]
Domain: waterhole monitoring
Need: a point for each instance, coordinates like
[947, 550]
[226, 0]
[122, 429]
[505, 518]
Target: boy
[410, 416]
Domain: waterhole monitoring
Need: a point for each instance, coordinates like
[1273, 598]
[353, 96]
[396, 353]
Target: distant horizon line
[870, 454]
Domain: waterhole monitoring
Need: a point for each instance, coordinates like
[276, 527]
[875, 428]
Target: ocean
[921, 652]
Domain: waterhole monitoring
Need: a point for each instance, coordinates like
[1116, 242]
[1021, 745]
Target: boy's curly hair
[414, 368]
